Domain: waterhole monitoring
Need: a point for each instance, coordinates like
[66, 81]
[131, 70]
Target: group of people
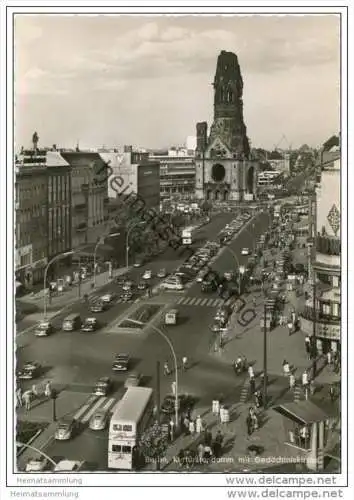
[252, 422]
[191, 426]
[209, 448]
[26, 397]
[167, 370]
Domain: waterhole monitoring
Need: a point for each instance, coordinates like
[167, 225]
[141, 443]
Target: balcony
[328, 245]
[327, 326]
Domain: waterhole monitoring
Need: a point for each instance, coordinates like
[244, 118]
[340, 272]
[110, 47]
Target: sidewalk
[66, 299]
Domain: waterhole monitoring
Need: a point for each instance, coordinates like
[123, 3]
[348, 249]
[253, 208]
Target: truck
[187, 235]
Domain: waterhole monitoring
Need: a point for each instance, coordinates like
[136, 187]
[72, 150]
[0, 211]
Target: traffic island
[139, 319]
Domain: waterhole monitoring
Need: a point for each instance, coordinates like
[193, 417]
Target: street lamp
[142, 223]
[37, 450]
[57, 257]
[160, 332]
[100, 242]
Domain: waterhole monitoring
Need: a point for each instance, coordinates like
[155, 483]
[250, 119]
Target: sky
[146, 80]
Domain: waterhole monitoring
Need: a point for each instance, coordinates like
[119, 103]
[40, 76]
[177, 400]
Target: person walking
[27, 400]
[19, 397]
[184, 363]
[186, 425]
[252, 386]
[286, 368]
[200, 450]
[308, 346]
[172, 429]
[329, 358]
[249, 424]
[312, 387]
[250, 372]
[198, 425]
[34, 391]
[191, 427]
[332, 393]
[166, 369]
[48, 389]
[173, 388]
[305, 379]
[292, 381]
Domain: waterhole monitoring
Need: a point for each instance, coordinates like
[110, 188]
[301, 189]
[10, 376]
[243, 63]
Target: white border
[204, 480]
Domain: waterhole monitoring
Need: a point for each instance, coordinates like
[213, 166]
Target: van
[72, 322]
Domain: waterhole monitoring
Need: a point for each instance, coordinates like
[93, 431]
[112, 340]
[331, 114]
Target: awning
[302, 412]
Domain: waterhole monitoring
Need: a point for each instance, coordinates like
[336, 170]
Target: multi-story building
[133, 172]
[323, 309]
[88, 199]
[59, 209]
[177, 173]
[31, 231]
[279, 161]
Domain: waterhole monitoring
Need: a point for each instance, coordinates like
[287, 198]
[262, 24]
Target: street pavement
[74, 361]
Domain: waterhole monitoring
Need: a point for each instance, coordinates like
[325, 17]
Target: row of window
[121, 449]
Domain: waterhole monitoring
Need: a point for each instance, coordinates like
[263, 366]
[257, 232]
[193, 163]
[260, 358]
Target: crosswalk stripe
[219, 302]
[210, 301]
[92, 410]
[191, 302]
[203, 302]
[84, 407]
[198, 302]
[109, 404]
[180, 301]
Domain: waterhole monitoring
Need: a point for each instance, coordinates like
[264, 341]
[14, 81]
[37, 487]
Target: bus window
[127, 428]
[126, 449]
[117, 447]
[117, 427]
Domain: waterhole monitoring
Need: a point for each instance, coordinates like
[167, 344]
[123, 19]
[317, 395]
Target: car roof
[122, 355]
[103, 379]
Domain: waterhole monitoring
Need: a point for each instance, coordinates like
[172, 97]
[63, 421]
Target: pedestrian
[292, 381]
[184, 363]
[286, 367]
[305, 379]
[198, 425]
[250, 372]
[254, 301]
[312, 387]
[19, 396]
[208, 437]
[304, 436]
[308, 345]
[172, 429]
[173, 388]
[186, 425]
[332, 392]
[252, 385]
[249, 424]
[166, 368]
[48, 389]
[200, 450]
[27, 400]
[34, 391]
[191, 427]
[329, 358]
[207, 453]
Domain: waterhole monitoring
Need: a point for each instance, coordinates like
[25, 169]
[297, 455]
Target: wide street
[74, 361]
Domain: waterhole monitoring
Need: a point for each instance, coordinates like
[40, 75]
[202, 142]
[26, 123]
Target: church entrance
[225, 196]
[217, 195]
[208, 194]
[249, 180]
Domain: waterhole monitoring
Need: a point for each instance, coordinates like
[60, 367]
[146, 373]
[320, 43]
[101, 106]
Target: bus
[131, 416]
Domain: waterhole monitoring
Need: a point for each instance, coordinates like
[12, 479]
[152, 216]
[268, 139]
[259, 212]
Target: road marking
[203, 302]
[92, 410]
[192, 302]
[198, 302]
[219, 302]
[180, 301]
[109, 404]
[210, 301]
[84, 407]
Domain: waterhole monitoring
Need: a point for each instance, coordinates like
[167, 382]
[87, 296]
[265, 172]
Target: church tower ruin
[224, 168]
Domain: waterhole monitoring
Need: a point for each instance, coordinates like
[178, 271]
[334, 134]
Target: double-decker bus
[131, 417]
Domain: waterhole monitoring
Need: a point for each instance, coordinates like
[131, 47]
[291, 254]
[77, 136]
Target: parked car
[128, 285]
[133, 380]
[43, 329]
[103, 386]
[66, 429]
[69, 466]
[89, 325]
[121, 362]
[209, 286]
[29, 371]
[142, 285]
[99, 420]
[173, 283]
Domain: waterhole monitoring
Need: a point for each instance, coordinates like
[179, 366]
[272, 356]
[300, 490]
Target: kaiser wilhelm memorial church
[225, 170]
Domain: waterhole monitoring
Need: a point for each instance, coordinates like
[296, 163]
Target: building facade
[133, 173]
[59, 209]
[325, 320]
[31, 209]
[177, 174]
[225, 170]
[89, 199]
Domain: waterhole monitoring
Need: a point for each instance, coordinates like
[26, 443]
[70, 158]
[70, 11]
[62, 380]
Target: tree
[153, 444]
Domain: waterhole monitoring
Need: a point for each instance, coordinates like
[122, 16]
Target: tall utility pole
[158, 391]
[314, 324]
[265, 369]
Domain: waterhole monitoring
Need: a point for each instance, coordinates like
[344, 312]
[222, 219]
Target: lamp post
[142, 223]
[100, 242]
[164, 336]
[57, 257]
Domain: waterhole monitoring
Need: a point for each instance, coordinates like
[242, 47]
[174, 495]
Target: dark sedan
[185, 403]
